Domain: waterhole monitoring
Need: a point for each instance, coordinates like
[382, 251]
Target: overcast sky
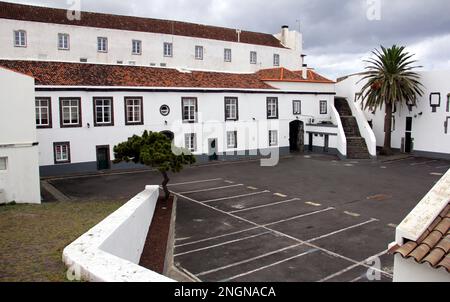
[338, 34]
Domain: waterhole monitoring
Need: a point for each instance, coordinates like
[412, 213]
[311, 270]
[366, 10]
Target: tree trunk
[164, 185]
[387, 130]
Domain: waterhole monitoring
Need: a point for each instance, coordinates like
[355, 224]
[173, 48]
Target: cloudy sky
[338, 34]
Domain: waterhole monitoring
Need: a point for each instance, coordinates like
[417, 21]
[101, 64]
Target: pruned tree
[155, 150]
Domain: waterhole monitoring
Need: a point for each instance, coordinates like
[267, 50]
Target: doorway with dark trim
[103, 157]
[296, 136]
[408, 135]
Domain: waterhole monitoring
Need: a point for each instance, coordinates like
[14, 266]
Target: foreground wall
[19, 167]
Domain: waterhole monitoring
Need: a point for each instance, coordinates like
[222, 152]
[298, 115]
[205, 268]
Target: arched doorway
[169, 134]
[297, 136]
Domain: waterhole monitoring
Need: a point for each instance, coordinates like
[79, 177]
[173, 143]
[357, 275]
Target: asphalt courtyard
[310, 218]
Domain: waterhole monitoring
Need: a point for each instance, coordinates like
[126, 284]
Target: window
[136, 47]
[190, 140]
[103, 112]
[199, 52]
[134, 114]
[63, 42]
[272, 108]
[70, 112]
[61, 152]
[43, 112]
[323, 107]
[231, 109]
[189, 110]
[168, 49]
[448, 102]
[276, 60]
[20, 38]
[435, 101]
[253, 57]
[297, 107]
[3, 163]
[102, 44]
[227, 55]
[273, 138]
[232, 139]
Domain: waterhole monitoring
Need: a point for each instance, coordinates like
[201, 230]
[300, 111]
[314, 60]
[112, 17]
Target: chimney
[285, 34]
[238, 32]
[305, 72]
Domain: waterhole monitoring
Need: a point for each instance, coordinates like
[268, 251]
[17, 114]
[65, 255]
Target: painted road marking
[299, 216]
[314, 204]
[352, 214]
[343, 230]
[266, 205]
[221, 244]
[212, 189]
[252, 188]
[193, 182]
[280, 195]
[237, 196]
[437, 174]
[229, 182]
[392, 225]
[215, 237]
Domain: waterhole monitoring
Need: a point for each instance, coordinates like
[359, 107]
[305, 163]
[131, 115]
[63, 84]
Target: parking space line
[331, 253]
[356, 279]
[220, 244]
[229, 182]
[266, 205]
[342, 230]
[437, 174]
[237, 196]
[352, 214]
[247, 260]
[392, 225]
[270, 265]
[314, 204]
[216, 237]
[212, 189]
[193, 182]
[280, 195]
[252, 188]
[299, 216]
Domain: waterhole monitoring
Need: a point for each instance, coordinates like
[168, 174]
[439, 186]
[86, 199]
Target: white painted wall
[42, 45]
[251, 134]
[111, 251]
[20, 181]
[407, 270]
[428, 127]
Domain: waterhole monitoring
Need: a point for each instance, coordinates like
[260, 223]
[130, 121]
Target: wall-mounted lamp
[254, 119]
[165, 123]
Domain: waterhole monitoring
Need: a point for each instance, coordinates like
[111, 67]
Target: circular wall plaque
[164, 110]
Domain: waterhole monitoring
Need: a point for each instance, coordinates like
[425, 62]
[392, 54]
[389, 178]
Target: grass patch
[32, 237]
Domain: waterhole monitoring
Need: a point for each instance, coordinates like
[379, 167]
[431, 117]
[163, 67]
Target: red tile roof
[82, 74]
[282, 74]
[88, 19]
[433, 246]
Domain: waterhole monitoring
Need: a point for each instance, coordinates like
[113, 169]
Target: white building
[19, 167]
[422, 241]
[423, 130]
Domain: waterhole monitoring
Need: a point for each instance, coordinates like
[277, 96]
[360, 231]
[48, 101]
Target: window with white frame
[231, 109]
[3, 163]
[297, 107]
[276, 60]
[253, 57]
[272, 108]
[189, 110]
[70, 112]
[134, 111]
[63, 41]
[20, 38]
[103, 112]
[323, 107]
[62, 152]
[43, 112]
[190, 141]
[168, 49]
[136, 46]
[273, 138]
[199, 52]
[102, 44]
[232, 139]
[227, 55]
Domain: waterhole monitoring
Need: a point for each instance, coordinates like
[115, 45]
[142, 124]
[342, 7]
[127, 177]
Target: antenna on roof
[238, 31]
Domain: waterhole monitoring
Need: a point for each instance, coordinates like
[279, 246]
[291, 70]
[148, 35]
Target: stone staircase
[356, 144]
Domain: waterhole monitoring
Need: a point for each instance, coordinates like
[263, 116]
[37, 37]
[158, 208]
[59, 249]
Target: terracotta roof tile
[434, 245]
[88, 19]
[81, 74]
[282, 74]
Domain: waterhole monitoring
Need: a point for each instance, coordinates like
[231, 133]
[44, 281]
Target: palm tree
[390, 80]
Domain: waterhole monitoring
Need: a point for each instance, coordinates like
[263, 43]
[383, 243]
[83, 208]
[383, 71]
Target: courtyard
[310, 218]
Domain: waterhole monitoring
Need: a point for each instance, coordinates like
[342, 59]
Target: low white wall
[407, 270]
[364, 128]
[341, 143]
[110, 251]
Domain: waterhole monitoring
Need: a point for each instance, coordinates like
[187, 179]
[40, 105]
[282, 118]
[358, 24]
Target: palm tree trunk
[164, 185]
[387, 130]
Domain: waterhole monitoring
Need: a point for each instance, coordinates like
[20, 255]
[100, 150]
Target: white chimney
[238, 32]
[305, 72]
[285, 34]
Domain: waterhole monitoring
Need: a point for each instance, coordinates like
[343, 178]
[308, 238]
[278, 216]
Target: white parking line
[266, 205]
[299, 216]
[270, 265]
[280, 195]
[212, 189]
[233, 197]
[216, 237]
[220, 244]
[247, 260]
[351, 214]
[314, 204]
[193, 182]
[342, 230]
